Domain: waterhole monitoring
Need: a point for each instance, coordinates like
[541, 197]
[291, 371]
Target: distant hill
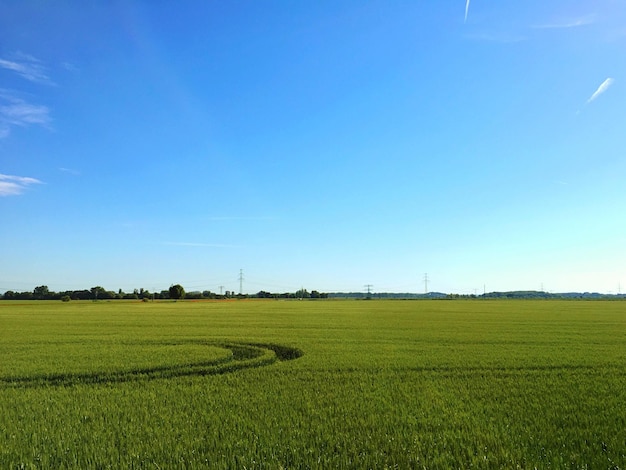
[521, 294]
[387, 295]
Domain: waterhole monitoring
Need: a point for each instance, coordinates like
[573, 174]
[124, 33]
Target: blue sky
[325, 145]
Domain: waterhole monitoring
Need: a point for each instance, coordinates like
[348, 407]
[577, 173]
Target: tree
[98, 292]
[177, 292]
[41, 292]
[302, 294]
[9, 295]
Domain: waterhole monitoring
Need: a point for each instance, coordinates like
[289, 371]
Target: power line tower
[369, 290]
[240, 281]
[221, 289]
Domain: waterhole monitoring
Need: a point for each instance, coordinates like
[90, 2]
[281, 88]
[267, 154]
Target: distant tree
[41, 292]
[193, 295]
[65, 298]
[177, 292]
[24, 295]
[9, 295]
[98, 292]
[302, 294]
[82, 294]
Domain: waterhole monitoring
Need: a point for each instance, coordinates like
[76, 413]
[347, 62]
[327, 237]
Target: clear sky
[325, 145]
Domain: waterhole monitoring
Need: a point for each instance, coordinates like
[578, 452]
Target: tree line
[96, 293]
[175, 292]
[299, 294]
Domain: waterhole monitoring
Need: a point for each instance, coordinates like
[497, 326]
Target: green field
[313, 384]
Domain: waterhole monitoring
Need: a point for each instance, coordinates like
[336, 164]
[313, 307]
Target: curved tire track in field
[243, 356]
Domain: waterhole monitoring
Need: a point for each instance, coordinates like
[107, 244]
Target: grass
[319, 384]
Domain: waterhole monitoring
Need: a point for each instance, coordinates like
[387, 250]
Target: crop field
[313, 384]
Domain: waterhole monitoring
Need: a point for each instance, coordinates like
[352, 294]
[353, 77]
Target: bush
[65, 298]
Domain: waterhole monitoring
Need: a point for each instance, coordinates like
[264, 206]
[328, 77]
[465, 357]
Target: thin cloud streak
[15, 185]
[70, 171]
[601, 89]
[572, 23]
[23, 113]
[15, 111]
[28, 67]
[467, 5]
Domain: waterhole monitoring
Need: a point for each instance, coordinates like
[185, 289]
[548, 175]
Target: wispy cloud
[28, 67]
[70, 67]
[20, 113]
[70, 171]
[567, 23]
[601, 89]
[15, 185]
[467, 5]
[15, 111]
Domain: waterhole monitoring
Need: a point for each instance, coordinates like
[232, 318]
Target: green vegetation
[177, 292]
[313, 384]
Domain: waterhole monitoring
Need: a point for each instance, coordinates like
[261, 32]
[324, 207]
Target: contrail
[466, 10]
[601, 89]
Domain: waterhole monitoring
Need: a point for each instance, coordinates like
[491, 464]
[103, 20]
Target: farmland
[313, 384]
